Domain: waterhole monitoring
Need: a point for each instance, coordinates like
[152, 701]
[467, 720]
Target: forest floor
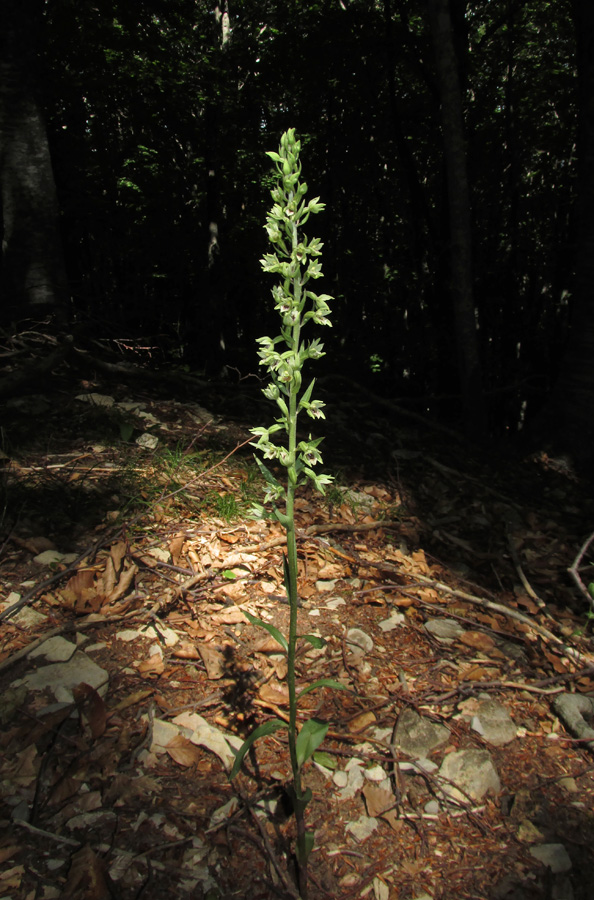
[141, 560]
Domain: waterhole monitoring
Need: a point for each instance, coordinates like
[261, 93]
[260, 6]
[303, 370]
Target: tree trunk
[569, 416]
[32, 276]
[461, 270]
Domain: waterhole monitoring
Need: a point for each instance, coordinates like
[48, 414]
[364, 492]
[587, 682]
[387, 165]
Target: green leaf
[304, 850]
[261, 731]
[591, 589]
[322, 682]
[314, 639]
[268, 476]
[309, 739]
[325, 759]
[276, 634]
[228, 573]
[281, 517]
[307, 394]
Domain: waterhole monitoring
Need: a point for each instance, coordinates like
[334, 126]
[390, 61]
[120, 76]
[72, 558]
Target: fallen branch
[574, 570]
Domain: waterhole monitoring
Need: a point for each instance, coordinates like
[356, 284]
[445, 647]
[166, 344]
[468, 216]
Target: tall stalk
[296, 260]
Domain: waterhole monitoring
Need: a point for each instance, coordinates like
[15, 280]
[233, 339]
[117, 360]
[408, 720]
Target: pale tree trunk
[32, 276]
[461, 270]
[213, 311]
[569, 416]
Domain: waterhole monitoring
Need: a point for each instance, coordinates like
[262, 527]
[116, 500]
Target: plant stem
[294, 602]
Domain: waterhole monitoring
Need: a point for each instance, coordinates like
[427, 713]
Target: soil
[419, 522]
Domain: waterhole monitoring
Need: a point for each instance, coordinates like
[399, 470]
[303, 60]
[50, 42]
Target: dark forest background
[451, 140]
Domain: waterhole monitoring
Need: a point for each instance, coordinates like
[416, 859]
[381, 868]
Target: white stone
[55, 649]
[472, 771]
[358, 642]
[555, 856]
[62, 677]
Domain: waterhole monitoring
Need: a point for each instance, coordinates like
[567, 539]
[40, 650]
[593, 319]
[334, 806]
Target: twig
[573, 570]
[569, 652]
[47, 834]
[518, 565]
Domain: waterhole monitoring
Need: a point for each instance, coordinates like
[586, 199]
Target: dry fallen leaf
[186, 650]
[277, 694]
[126, 579]
[231, 616]
[183, 752]
[176, 546]
[478, 640]
[87, 878]
[214, 661]
[154, 665]
[361, 722]
[11, 879]
[131, 700]
[378, 800]
[92, 707]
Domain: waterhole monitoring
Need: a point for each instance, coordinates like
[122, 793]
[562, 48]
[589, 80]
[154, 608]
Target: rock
[375, 773]
[473, 772]
[555, 856]
[353, 772]
[573, 710]
[55, 649]
[569, 784]
[358, 642]
[26, 617]
[419, 766]
[53, 557]
[62, 677]
[335, 602]
[362, 828]
[494, 723]
[323, 587]
[147, 441]
[445, 630]
[417, 736]
[395, 620]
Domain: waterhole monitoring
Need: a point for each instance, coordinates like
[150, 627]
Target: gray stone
[56, 649]
[62, 677]
[445, 630]
[358, 642]
[362, 828]
[494, 723]
[575, 710]
[555, 856]
[472, 771]
[417, 736]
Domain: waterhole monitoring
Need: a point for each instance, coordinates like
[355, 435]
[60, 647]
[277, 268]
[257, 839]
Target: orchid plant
[296, 260]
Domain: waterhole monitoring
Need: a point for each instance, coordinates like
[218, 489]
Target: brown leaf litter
[121, 791]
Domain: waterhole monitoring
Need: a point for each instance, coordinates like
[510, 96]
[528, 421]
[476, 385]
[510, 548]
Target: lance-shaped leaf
[309, 739]
[261, 731]
[322, 682]
[268, 476]
[305, 398]
[276, 634]
[314, 639]
[303, 850]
